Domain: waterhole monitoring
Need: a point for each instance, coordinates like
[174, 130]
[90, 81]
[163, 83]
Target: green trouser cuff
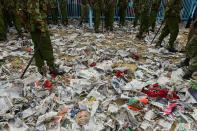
[3, 32]
[17, 23]
[64, 12]
[45, 53]
[153, 19]
[54, 14]
[193, 64]
[165, 31]
[109, 18]
[97, 16]
[84, 10]
[122, 18]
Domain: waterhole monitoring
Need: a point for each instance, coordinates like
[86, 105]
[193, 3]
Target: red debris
[93, 64]
[170, 108]
[48, 84]
[119, 73]
[53, 76]
[156, 91]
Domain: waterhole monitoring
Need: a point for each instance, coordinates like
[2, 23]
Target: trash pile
[113, 82]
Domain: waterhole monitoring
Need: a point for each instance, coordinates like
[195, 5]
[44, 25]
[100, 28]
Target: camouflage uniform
[136, 6]
[153, 14]
[53, 10]
[21, 8]
[97, 8]
[122, 10]
[64, 13]
[2, 24]
[144, 16]
[84, 10]
[109, 10]
[191, 51]
[172, 18]
[21, 11]
[11, 15]
[39, 33]
[8, 10]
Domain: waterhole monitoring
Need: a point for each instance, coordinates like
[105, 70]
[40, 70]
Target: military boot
[158, 44]
[173, 50]
[187, 74]
[80, 24]
[65, 23]
[184, 63]
[56, 71]
[140, 35]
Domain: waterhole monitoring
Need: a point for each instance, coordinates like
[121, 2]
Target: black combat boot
[187, 74]
[184, 63]
[56, 71]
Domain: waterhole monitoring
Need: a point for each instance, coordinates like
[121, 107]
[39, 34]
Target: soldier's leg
[191, 53]
[84, 9]
[153, 19]
[122, 13]
[2, 30]
[39, 61]
[193, 64]
[49, 16]
[106, 18]
[97, 16]
[143, 25]
[191, 69]
[174, 30]
[191, 47]
[54, 14]
[18, 25]
[4, 19]
[64, 13]
[47, 50]
[2, 27]
[9, 18]
[136, 19]
[111, 17]
[165, 31]
[146, 22]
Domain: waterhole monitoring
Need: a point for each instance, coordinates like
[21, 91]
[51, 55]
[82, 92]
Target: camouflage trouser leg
[16, 21]
[8, 16]
[122, 11]
[174, 30]
[153, 19]
[144, 24]
[84, 10]
[2, 27]
[97, 17]
[18, 24]
[64, 13]
[54, 13]
[109, 18]
[191, 53]
[49, 16]
[106, 14]
[165, 31]
[193, 64]
[136, 19]
[43, 43]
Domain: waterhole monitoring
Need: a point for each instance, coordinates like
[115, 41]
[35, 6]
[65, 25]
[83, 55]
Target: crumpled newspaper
[104, 72]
